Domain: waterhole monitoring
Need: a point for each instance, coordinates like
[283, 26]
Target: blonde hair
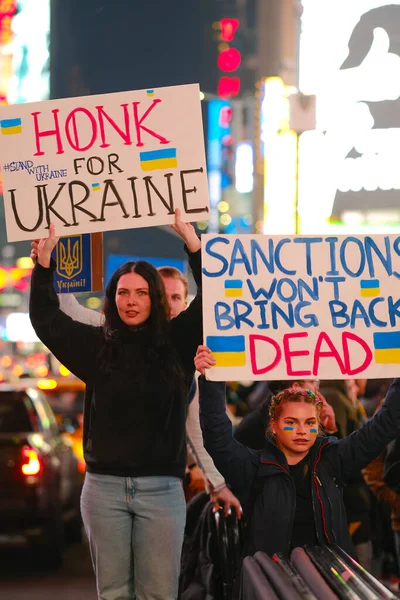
[293, 395]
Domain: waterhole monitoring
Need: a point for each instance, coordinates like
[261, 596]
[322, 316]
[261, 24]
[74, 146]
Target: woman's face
[295, 429]
[133, 299]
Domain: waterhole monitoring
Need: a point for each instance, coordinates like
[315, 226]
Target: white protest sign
[325, 307]
[99, 163]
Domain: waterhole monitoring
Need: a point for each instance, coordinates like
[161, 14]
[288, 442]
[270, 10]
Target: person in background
[374, 477]
[371, 396]
[291, 489]
[391, 477]
[252, 429]
[350, 415]
[200, 470]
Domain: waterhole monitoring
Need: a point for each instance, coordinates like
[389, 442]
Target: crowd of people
[299, 462]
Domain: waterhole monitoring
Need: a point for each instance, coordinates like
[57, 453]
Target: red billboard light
[228, 29]
[229, 60]
[228, 86]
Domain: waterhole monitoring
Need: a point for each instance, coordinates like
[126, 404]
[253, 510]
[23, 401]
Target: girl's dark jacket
[134, 423]
[261, 479]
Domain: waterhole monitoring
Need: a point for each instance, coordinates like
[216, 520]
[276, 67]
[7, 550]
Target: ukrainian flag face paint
[288, 429]
[295, 428]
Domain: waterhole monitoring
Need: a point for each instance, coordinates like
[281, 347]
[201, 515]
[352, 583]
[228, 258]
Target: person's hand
[229, 500]
[34, 251]
[328, 420]
[196, 480]
[187, 232]
[45, 247]
[203, 359]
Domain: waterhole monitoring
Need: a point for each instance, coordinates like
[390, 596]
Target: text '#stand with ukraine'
[105, 162]
[288, 307]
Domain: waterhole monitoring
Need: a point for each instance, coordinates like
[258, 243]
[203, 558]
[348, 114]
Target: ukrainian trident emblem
[69, 256]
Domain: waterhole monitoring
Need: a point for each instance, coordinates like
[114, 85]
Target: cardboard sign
[325, 307]
[106, 162]
[79, 260]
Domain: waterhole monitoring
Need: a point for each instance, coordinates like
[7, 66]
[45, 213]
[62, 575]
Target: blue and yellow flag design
[387, 347]
[158, 159]
[228, 350]
[369, 288]
[11, 126]
[233, 288]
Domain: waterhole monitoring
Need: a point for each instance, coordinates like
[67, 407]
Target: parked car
[40, 483]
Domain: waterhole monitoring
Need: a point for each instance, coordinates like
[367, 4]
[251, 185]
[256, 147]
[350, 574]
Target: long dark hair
[157, 321]
[157, 354]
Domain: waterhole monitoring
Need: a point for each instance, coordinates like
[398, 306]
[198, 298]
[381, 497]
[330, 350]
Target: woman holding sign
[291, 491]
[138, 368]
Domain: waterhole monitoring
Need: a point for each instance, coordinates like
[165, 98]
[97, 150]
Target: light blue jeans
[135, 528]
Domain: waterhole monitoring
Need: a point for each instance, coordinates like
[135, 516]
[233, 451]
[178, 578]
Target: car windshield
[14, 413]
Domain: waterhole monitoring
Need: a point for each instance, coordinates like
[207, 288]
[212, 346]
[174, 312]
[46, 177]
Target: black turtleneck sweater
[135, 416]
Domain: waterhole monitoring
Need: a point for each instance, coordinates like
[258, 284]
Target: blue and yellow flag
[369, 288]
[387, 347]
[233, 288]
[11, 126]
[158, 159]
[228, 350]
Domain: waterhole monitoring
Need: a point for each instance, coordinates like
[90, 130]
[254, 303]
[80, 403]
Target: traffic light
[229, 58]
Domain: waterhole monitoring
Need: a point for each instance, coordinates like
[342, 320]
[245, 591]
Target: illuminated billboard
[24, 51]
[279, 149]
[349, 178]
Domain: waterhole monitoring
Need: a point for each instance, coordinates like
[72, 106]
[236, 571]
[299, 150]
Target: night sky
[107, 46]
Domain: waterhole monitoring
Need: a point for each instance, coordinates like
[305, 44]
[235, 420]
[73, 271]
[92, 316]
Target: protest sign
[106, 162]
[79, 263]
[325, 307]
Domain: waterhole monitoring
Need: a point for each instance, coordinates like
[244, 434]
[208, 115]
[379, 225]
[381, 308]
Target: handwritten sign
[326, 307]
[100, 163]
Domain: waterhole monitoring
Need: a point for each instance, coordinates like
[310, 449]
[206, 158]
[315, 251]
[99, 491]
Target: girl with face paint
[291, 490]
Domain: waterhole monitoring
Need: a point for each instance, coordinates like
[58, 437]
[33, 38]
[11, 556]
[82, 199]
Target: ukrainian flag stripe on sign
[384, 340]
[389, 356]
[233, 283]
[233, 293]
[162, 163]
[226, 343]
[11, 130]
[370, 292]
[9, 123]
[157, 154]
[369, 283]
[230, 359]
